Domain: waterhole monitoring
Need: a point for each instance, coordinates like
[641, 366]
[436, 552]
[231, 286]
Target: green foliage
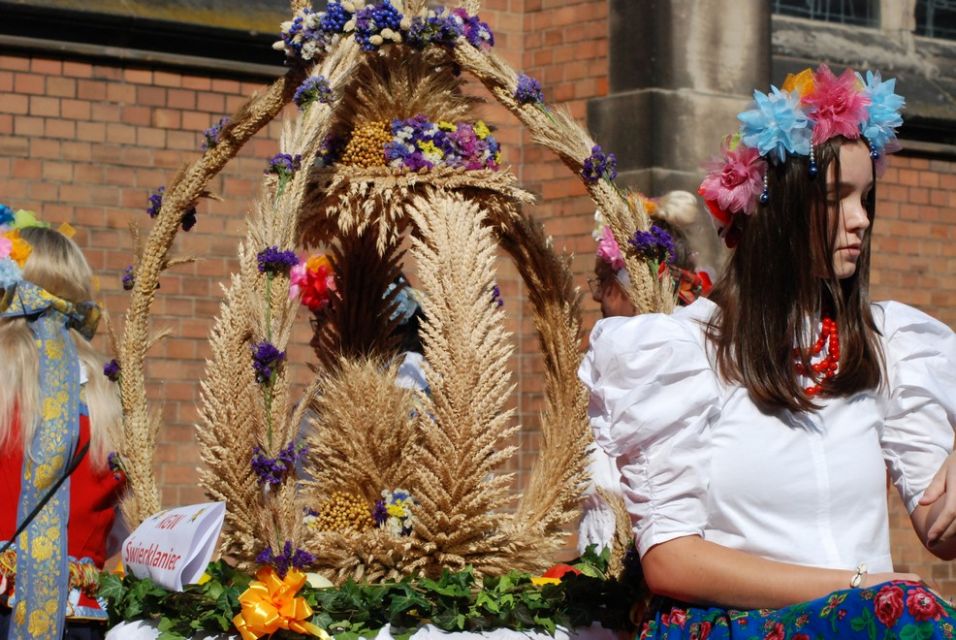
[456, 601]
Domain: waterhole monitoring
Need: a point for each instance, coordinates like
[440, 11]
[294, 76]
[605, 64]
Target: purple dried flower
[284, 165]
[289, 558]
[477, 33]
[656, 245]
[379, 513]
[330, 151]
[155, 201]
[129, 278]
[112, 370]
[599, 165]
[274, 261]
[212, 134]
[528, 90]
[441, 29]
[265, 358]
[314, 89]
[334, 18]
[273, 471]
[189, 219]
[496, 298]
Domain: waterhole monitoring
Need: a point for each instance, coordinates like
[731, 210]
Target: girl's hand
[873, 579]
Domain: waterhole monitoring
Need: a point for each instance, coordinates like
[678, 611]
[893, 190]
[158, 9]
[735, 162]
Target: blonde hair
[57, 265]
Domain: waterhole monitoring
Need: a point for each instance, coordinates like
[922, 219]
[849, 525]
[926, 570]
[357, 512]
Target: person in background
[59, 417]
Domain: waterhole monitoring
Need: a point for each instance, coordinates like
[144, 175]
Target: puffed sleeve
[921, 379]
[653, 393]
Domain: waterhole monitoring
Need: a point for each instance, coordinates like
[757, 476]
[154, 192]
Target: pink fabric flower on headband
[735, 182]
[609, 251]
[837, 106]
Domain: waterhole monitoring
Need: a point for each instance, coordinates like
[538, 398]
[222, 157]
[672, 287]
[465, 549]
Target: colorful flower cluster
[289, 558]
[266, 358]
[528, 90]
[314, 89]
[310, 34]
[376, 24]
[212, 135]
[112, 370]
[599, 165]
[811, 108]
[394, 512]
[273, 471]
[655, 245]
[312, 282]
[418, 143]
[14, 250]
[155, 201]
[275, 261]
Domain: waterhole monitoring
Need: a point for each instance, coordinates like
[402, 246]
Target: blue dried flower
[442, 29]
[265, 359]
[6, 215]
[496, 298]
[314, 89]
[289, 558]
[883, 113]
[477, 33]
[656, 245]
[379, 513]
[112, 370]
[599, 165]
[776, 125]
[374, 19]
[155, 200]
[189, 219]
[334, 18]
[528, 90]
[212, 134]
[284, 165]
[129, 278]
[274, 261]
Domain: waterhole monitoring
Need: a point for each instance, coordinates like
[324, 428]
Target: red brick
[28, 126]
[26, 169]
[41, 148]
[167, 118]
[91, 90]
[44, 66]
[57, 128]
[77, 69]
[181, 99]
[57, 171]
[91, 131]
[149, 137]
[75, 109]
[122, 93]
[120, 133]
[225, 86]
[6, 124]
[151, 96]
[138, 76]
[6, 81]
[165, 79]
[14, 63]
[26, 83]
[213, 102]
[15, 104]
[136, 115]
[105, 112]
[196, 82]
[42, 106]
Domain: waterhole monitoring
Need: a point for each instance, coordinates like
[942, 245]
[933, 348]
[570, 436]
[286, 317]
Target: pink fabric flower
[6, 247]
[735, 183]
[837, 106]
[609, 251]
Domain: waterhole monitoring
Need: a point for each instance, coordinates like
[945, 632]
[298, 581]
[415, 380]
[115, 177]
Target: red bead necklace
[826, 368]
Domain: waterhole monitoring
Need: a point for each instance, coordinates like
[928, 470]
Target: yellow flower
[204, 578]
[540, 582]
[482, 130]
[41, 549]
[802, 83]
[316, 262]
[444, 125]
[430, 151]
[39, 623]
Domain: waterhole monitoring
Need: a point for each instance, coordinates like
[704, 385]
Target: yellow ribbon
[270, 604]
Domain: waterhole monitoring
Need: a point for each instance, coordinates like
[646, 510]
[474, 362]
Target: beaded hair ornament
[811, 108]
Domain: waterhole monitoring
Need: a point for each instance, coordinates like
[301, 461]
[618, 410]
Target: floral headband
[811, 108]
[14, 250]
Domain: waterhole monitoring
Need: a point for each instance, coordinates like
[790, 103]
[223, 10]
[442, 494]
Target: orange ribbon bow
[270, 604]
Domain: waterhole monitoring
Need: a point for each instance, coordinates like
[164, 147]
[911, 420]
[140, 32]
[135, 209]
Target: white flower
[377, 40]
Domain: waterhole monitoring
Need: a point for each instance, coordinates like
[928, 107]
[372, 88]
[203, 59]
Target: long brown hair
[772, 290]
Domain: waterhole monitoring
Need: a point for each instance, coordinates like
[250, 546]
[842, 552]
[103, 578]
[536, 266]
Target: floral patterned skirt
[889, 611]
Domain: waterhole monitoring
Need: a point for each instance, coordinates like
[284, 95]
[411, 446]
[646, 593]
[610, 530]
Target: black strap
[74, 463]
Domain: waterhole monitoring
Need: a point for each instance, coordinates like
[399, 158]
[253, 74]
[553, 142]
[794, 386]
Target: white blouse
[697, 457]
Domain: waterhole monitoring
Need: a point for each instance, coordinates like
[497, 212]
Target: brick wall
[86, 143]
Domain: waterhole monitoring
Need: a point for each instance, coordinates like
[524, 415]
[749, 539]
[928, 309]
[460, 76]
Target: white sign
[173, 547]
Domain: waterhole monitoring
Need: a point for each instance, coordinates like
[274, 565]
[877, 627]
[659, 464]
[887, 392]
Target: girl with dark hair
[754, 430]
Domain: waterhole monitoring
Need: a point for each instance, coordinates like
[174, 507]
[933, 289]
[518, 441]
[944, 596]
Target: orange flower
[270, 604]
[802, 83]
[20, 249]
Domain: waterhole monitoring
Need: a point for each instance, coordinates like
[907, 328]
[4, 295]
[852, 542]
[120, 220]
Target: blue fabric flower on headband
[6, 216]
[776, 125]
[883, 112]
